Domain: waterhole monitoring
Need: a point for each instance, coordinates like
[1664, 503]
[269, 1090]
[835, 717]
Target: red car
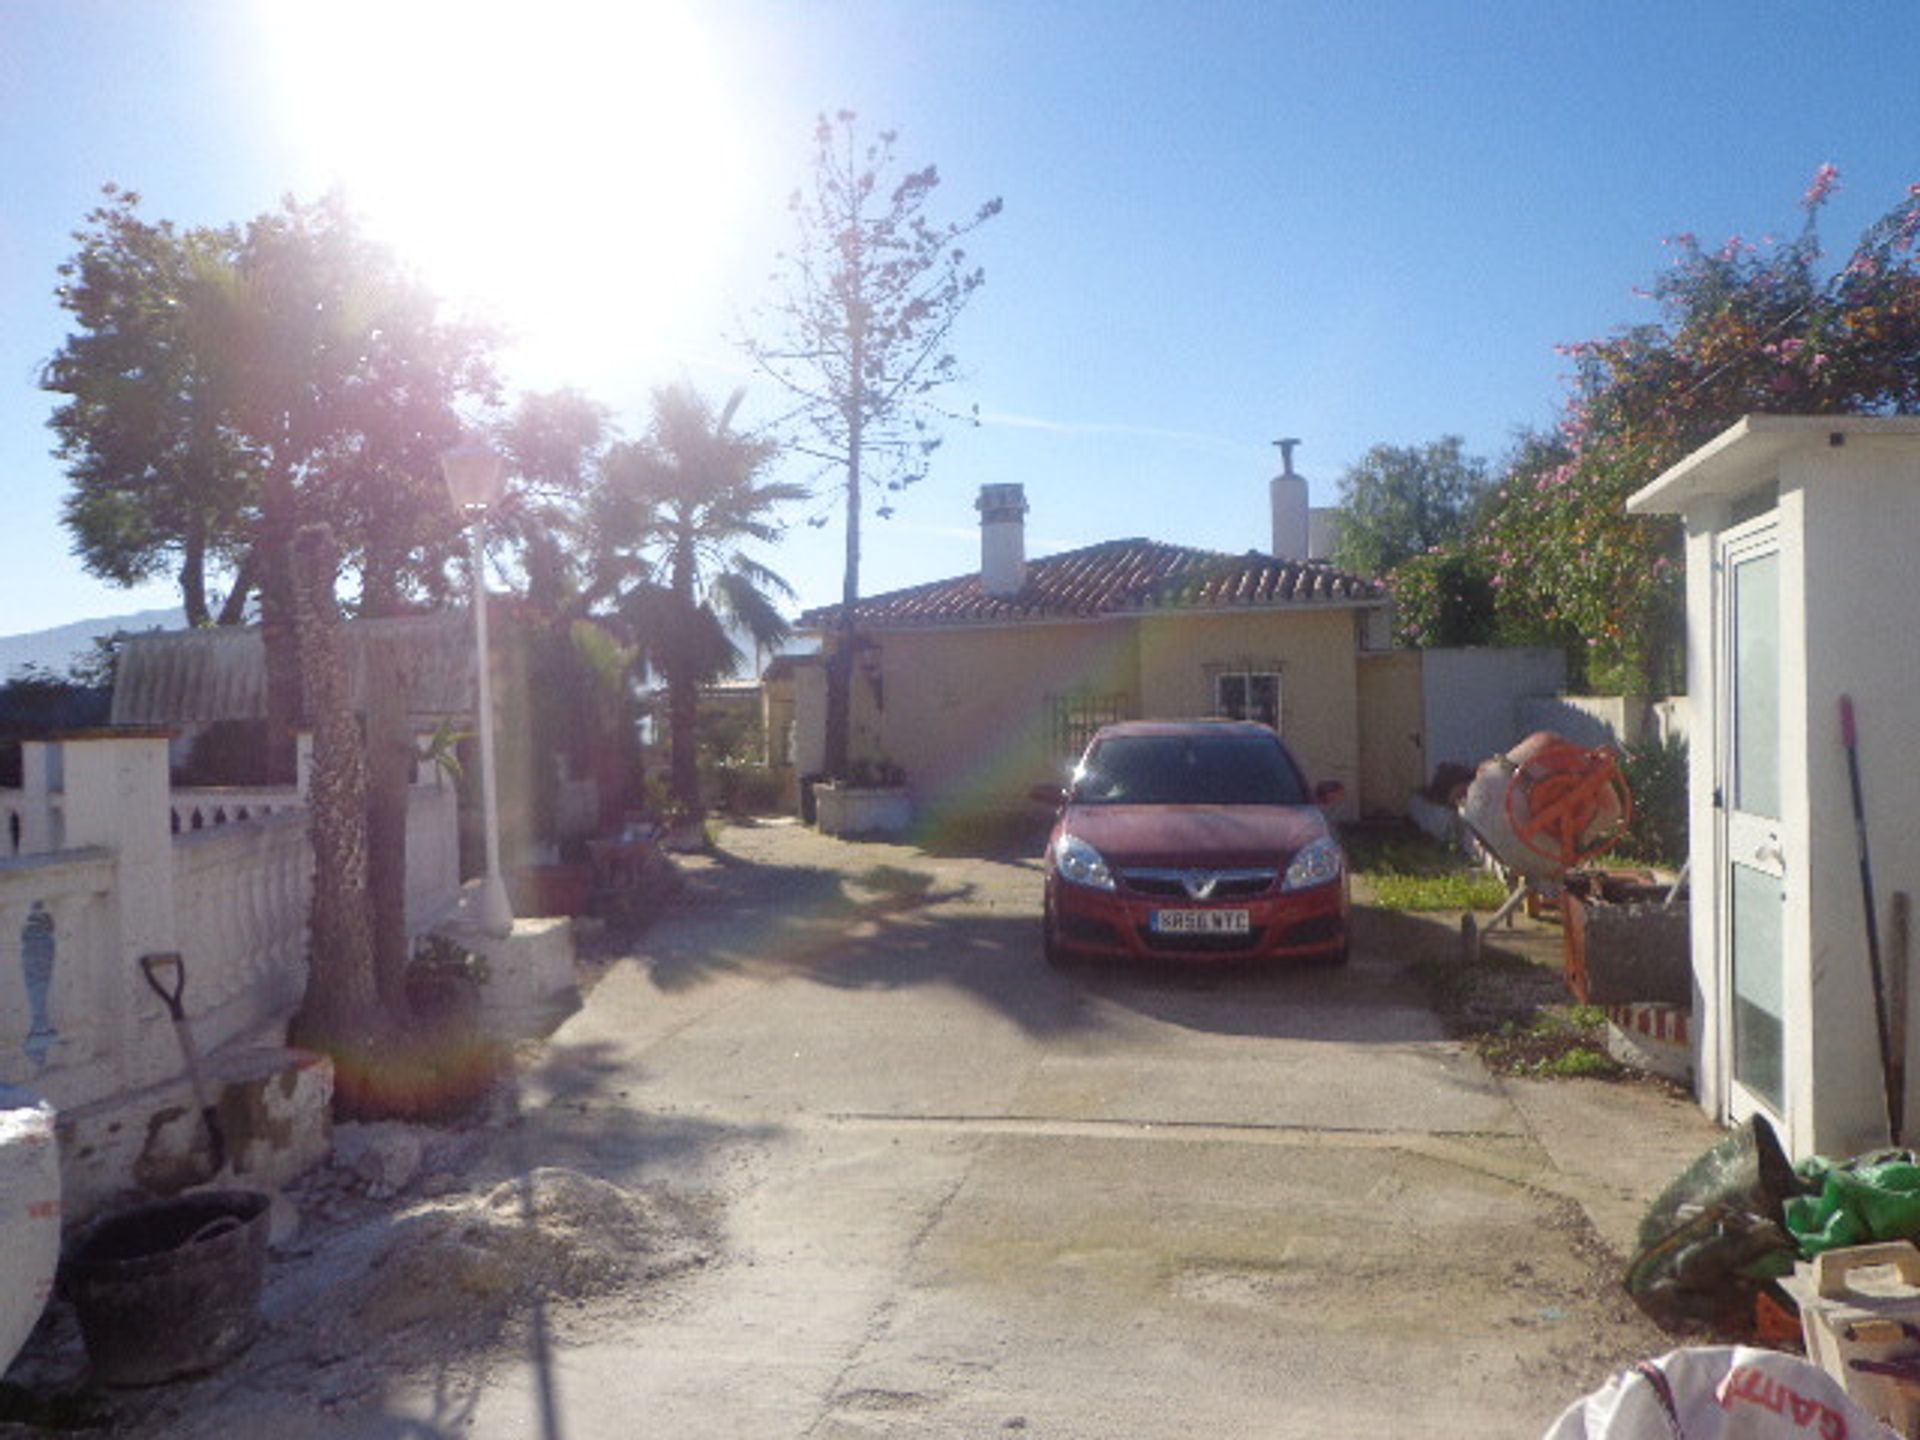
[1193, 840]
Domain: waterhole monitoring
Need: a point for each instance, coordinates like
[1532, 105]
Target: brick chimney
[1287, 493]
[1003, 538]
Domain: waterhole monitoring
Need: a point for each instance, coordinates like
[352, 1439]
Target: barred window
[1076, 717]
[1248, 695]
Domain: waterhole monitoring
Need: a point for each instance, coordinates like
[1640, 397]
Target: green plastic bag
[1714, 1239]
[1856, 1202]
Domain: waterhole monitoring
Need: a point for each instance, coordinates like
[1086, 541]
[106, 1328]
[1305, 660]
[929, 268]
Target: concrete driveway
[963, 1194]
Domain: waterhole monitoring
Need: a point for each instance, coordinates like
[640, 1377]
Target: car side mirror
[1053, 795]
[1329, 792]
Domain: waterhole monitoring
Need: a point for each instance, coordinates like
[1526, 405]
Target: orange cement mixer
[1548, 806]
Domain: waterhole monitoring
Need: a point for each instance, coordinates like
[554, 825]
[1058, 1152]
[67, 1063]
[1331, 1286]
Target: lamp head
[475, 474]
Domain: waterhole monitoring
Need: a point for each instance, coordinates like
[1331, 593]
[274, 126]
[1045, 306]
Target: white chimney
[1323, 531]
[1003, 538]
[1288, 493]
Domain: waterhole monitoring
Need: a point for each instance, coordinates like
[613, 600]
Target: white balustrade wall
[60, 1019]
[241, 893]
[433, 850]
[206, 807]
[13, 823]
[222, 876]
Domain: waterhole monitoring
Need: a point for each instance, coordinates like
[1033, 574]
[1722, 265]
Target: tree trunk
[193, 573]
[389, 775]
[339, 1014]
[233, 610]
[278, 632]
[683, 686]
[683, 712]
[840, 662]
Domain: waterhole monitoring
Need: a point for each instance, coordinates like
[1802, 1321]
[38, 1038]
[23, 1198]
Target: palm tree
[677, 512]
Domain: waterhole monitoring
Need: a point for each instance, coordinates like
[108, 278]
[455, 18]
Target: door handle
[1770, 854]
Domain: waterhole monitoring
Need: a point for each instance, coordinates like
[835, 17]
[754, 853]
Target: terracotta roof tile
[1114, 578]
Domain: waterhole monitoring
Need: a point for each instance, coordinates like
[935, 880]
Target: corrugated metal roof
[1115, 577]
[195, 677]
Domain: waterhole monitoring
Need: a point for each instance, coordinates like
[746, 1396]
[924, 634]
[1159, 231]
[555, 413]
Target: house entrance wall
[970, 714]
[1392, 732]
[1312, 651]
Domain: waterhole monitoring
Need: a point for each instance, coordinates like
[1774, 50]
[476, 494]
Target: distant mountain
[57, 649]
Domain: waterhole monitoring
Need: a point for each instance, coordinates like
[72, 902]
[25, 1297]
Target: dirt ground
[942, 1211]
[472, 1254]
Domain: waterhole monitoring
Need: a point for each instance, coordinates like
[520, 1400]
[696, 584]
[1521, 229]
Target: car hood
[1188, 835]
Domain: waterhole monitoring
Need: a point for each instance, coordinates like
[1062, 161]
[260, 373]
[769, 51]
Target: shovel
[153, 966]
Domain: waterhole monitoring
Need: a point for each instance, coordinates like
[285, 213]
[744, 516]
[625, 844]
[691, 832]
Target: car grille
[1202, 944]
[1172, 884]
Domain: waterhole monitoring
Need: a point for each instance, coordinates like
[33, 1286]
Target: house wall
[1711, 1027]
[968, 713]
[115, 867]
[1850, 625]
[1472, 697]
[809, 720]
[1392, 731]
[1851, 515]
[1316, 655]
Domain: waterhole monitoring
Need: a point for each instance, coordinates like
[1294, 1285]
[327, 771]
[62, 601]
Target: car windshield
[1189, 770]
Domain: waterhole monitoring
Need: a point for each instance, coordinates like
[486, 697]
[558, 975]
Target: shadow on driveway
[782, 902]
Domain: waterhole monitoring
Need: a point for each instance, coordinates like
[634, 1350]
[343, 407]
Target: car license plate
[1200, 922]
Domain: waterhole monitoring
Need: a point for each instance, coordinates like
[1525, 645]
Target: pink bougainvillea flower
[1826, 180]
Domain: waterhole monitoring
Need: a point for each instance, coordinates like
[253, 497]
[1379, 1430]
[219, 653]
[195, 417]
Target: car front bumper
[1299, 924]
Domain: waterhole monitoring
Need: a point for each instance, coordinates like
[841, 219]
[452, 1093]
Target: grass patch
[1405, 870]
[1463, 890]
[1559, 1041]
[1516, 1015]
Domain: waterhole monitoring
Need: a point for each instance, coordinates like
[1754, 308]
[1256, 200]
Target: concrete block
[275, 1109]
[530, 977]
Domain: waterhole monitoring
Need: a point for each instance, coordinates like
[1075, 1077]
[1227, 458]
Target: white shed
[1803, 587]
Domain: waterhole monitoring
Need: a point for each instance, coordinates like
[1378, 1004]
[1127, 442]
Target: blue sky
[1353, 223]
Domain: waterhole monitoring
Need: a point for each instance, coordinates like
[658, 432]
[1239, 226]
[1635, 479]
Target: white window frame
[1246, 676]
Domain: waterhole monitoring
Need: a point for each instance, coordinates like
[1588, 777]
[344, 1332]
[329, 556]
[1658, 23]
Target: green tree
[580, 699]
[335, 369]
[555, 443]
[680, 508]
[1444, 596]
[1404, 500]
[227, 389]
[225, 385]
[1742, 329]
[159, 481]
[859, 340]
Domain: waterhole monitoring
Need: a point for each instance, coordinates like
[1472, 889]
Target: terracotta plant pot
[552, 889]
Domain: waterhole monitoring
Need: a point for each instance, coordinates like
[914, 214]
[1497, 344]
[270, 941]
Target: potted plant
[872, 799]
[443, 983]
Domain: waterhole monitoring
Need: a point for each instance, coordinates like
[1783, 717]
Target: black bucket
[172, 1288]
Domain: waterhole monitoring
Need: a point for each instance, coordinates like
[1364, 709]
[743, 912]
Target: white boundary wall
[100, 863]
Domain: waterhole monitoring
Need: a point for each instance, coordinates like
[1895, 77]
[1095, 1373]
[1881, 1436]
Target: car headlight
[1079, 862]
[1316, 864]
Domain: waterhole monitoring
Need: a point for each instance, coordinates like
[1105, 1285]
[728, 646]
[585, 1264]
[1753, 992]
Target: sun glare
[574, 169]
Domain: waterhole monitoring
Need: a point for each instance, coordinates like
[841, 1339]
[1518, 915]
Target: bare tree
[859, 339]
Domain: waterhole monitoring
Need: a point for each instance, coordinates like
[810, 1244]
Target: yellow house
[982, 685]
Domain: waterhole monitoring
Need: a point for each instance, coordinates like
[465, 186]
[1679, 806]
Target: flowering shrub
[1444, 597]
[1742, 329]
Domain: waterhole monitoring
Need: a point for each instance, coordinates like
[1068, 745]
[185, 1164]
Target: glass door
[1754, 860]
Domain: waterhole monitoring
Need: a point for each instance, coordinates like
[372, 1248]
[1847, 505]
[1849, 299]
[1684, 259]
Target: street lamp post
[475, 475]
